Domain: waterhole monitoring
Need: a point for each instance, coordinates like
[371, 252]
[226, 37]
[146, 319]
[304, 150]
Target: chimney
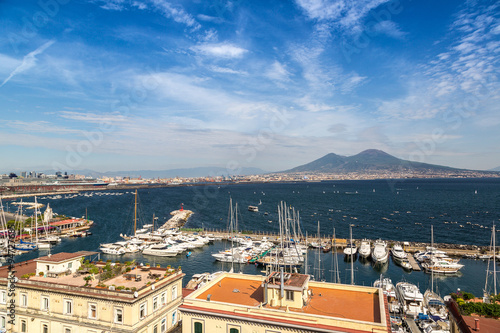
[476, 324]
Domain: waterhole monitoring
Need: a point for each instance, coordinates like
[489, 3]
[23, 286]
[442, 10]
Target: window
[68, 307]
[24, 300]
[155, 329]
[163, 325]
[198, 327]
[45, 303]
[234, 330]
[67, 330]
[70, 265]
[174, 292]
[92, 311]
[118, 316]
[24, 326]
[2, 321]
[143, 311]
[289, 295]
[155, 303]
[163, 299]
[174, 317]
[45, 328]
[3, 296]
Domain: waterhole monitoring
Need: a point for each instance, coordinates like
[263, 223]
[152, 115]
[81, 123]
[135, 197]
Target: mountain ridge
[365, 161]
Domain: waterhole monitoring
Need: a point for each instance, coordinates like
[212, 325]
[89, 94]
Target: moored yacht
[410, 298]
[379, 253]
[364, 248]
[390, 291]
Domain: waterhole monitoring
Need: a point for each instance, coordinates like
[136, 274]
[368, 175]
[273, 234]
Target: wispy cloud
[278, 72]
[390, 29]
[177, 13]
[220, 50]
[29, 61]
[344, 14]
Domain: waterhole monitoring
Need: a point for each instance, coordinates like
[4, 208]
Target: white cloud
[226, 70]
[177, 13]
[29, 61]
[220, 50]
[346, 14]
[278, 72]
[390, 29]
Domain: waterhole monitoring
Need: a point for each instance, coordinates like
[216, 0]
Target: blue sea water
[462, 211]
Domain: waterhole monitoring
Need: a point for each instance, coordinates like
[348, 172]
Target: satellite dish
[136, 294]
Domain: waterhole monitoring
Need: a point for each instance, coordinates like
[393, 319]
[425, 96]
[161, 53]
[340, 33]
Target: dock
[414, 265]
[412, 326]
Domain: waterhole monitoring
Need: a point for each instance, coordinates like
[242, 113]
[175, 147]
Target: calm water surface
[461, 211]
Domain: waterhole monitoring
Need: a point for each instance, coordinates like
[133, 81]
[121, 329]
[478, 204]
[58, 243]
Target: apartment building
[66, 293]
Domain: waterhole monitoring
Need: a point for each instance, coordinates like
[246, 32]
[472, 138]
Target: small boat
[253, 208]
[188, 254]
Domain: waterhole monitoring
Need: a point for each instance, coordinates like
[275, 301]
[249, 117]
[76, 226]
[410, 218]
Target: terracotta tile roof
[58, 257]
[67, 222]
[290, 280]
[486, 325]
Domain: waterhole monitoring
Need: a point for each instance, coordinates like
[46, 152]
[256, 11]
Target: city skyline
[130, 85]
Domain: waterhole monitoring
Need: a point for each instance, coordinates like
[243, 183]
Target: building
[65, 293]
[283, 302]
[469, 324]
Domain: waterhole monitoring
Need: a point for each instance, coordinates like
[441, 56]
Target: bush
[466, 296]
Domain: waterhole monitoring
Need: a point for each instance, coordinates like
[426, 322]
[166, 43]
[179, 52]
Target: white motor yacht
[390, 291]
[365, 249]
[162, 250]
[410, 298]
[380, 254]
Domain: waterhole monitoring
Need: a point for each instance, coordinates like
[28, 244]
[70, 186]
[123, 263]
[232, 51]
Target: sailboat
[487, 295]
[432, 301]
[26, 246]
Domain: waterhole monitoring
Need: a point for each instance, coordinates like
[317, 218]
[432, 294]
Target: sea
[461, 211]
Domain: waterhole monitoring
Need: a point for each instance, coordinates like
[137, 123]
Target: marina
[112, 212]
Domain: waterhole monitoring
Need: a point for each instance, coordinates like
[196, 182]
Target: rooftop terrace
[344, 302]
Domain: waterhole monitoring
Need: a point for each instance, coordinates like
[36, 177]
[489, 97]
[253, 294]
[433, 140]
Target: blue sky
[156, 84]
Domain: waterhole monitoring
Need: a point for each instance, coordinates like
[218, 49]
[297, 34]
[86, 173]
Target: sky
[112, 85]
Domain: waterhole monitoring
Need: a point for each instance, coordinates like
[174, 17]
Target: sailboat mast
[307, 250]
[335, 259]
[319, 255]
[494, 263]
[432, 258]
[135, 213]
[352, 256]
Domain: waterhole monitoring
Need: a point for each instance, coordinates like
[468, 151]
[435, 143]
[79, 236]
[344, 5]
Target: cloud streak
[29, 61]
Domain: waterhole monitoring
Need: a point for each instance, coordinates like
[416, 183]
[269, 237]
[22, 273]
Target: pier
[414, 265]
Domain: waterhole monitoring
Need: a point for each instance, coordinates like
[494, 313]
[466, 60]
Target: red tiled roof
[486, 325]
[66, 221]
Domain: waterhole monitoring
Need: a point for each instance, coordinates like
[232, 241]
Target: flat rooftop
[235, 291]
[332, 300]
[341, 303]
